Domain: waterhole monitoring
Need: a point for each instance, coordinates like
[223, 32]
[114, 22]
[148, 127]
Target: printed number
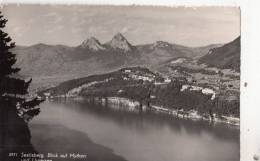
[12, 154]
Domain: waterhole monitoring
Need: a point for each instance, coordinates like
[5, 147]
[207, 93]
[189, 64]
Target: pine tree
[17, 107]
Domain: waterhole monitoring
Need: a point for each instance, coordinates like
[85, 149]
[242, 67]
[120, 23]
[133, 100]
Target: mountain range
[93, 57]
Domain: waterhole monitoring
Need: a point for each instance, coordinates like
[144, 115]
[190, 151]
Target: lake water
[78, 126]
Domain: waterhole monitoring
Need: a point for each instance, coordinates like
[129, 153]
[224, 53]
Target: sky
[72, 24]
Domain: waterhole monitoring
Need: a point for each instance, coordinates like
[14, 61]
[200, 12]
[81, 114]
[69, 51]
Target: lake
[115, 133]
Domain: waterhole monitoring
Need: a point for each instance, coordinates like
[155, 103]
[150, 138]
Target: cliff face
[14, 133]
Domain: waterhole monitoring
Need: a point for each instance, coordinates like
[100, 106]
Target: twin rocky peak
[117, 42]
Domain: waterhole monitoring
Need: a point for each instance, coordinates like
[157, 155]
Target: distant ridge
[92, 57]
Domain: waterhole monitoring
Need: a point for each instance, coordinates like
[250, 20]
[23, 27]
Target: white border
[250, 97]
[250, 58]
[133, 2]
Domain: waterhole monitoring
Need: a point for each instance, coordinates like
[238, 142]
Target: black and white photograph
[119, 83]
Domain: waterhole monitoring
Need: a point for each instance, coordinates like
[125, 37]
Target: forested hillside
[148, 88]
[224, 57]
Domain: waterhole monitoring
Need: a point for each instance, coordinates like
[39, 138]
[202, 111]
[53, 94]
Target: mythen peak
[120, 42]
[93, 44]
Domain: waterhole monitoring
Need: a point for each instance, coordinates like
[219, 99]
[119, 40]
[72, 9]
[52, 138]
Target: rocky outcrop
[120, 42]
[92, 44]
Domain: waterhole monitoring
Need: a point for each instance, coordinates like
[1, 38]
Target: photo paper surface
[119, 83]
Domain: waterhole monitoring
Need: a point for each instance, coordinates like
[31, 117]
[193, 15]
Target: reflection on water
[145, 136]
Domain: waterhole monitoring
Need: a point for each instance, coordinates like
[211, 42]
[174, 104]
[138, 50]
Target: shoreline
[134, 105]
[192, 114]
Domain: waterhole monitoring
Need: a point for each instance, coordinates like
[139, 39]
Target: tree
[17, 107]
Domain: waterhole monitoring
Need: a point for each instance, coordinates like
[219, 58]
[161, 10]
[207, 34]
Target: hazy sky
[70, 25]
